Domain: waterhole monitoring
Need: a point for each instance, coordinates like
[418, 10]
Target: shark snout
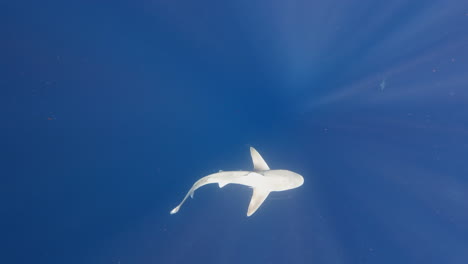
[298, 180]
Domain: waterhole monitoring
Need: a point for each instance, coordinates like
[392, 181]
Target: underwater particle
[383, 84]
[51, 117]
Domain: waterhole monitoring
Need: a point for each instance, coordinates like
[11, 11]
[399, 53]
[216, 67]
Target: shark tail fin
[175, 210]
[190, 193]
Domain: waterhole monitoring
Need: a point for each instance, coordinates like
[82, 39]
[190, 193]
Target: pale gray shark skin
[262, 180]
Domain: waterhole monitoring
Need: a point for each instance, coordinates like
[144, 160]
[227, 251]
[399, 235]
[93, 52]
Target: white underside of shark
[262, 180]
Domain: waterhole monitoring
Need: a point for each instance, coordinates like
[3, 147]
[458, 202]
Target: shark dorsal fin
[258, 196]
[258, 162]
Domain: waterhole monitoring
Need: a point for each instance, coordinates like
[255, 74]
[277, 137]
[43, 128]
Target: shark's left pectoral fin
[259, 195]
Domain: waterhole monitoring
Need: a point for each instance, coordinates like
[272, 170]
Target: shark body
[262, 180]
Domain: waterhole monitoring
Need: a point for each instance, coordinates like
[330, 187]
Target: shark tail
[190, 193]
[222, 178]
[175, 210]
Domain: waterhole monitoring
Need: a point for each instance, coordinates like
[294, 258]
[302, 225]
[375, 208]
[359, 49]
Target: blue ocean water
[111, 110]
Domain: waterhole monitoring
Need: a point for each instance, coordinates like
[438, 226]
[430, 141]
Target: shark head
[295, 180]
[281, 180]
[284, 179]
[270, 181]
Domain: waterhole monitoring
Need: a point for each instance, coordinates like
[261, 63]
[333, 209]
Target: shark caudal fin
[190, 193]
[258, 162]
[175, 210]
[258, 197]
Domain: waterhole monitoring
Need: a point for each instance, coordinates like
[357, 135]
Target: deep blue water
[111, 110]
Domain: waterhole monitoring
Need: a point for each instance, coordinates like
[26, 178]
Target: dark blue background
[111, 110]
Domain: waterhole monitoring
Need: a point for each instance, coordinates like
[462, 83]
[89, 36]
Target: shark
[262, 180]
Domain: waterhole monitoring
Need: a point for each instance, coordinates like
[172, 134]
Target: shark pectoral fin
[258, 162]
[259, 195]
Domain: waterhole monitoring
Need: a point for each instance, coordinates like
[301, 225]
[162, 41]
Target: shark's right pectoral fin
[259, 195]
